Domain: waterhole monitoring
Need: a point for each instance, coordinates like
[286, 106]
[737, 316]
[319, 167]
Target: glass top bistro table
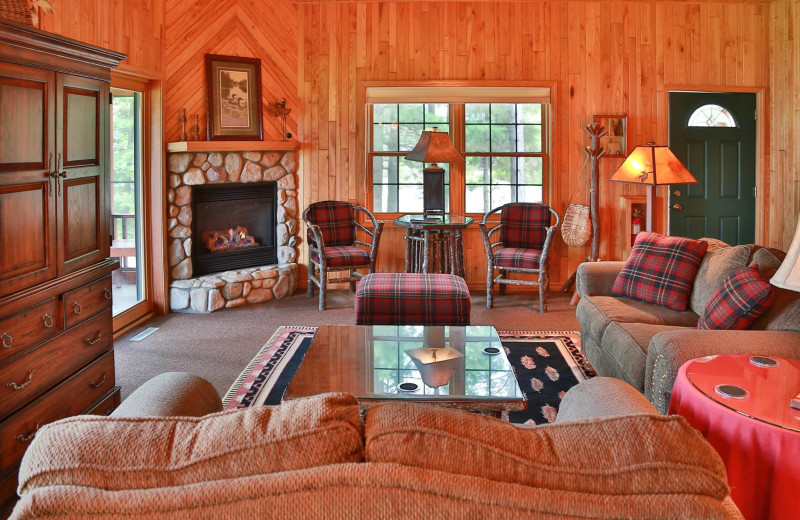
[433, 243]
[458, 367]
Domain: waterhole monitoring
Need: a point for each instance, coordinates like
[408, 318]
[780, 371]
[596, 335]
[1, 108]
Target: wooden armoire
[56, 356]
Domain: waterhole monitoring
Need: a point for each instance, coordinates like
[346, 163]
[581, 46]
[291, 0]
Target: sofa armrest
[596, 278]
[171, 394]
[669, 350]
[602, 397]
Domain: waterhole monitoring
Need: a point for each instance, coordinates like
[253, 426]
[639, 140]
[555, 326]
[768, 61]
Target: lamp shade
[788, 274]
[653, 164]
[433, 147]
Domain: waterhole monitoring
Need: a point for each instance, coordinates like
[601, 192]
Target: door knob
[677, 206]
[677, 193]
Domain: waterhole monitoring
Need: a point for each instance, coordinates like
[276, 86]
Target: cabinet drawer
[74, 396]
[27, 328]
[107, 405]
[84, 302]
[29, 375]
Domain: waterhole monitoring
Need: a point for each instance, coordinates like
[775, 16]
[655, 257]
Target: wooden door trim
[762, 153]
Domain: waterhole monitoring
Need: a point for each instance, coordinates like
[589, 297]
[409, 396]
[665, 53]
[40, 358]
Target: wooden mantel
[231, 146]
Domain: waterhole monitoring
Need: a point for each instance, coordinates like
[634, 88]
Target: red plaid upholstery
[412, 299]
[336, 221]
[736, 304]
[517, 257]
[524, 224]
[660, 270]
[338, 256]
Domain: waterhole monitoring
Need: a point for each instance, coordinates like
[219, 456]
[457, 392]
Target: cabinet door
[27, 191]
[82, 128]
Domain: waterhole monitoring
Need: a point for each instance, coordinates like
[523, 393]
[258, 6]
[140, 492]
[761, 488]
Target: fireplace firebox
[233, 226]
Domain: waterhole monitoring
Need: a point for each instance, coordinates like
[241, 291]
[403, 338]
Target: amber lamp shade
[652, 165]
[434, 147]
[788, 274]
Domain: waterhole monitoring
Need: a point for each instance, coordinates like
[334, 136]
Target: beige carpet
[217, 346]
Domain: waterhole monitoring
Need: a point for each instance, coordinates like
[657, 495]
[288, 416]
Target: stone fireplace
[245, 248]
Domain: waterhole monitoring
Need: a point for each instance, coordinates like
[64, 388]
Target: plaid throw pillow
[336, 221]
[660, 270]
[524, 225]
[736, 304]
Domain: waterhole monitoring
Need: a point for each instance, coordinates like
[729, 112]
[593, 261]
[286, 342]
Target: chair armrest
[669, 350]
[596, 278]
[171, 394]
[602, 397]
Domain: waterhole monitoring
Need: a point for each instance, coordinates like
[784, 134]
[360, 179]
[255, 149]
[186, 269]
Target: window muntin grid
[712, 115]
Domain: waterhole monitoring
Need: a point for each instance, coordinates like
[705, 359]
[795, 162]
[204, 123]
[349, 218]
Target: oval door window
[712, 115]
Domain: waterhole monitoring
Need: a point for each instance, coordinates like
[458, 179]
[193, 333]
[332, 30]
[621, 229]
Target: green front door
[714, 135]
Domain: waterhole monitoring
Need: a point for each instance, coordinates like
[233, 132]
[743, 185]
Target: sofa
[319, 458]
[645, 344]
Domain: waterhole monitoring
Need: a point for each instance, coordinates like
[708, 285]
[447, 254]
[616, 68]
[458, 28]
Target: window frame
[457, 178]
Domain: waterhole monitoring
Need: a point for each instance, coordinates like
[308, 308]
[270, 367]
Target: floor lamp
[652, 165]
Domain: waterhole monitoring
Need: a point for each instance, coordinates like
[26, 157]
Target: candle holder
[183, 124]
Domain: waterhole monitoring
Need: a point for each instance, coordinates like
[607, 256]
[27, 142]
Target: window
[397, 183]
[712, 115]
[503, 153]
[500, 131]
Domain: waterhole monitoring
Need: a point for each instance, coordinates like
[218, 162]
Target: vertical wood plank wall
[133, 27]
[605, 57]
[784, 167]
[194, 28]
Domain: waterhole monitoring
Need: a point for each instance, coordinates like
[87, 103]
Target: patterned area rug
[546, 364]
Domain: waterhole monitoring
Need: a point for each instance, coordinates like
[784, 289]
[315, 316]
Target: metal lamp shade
[434, 147]
[788, 274]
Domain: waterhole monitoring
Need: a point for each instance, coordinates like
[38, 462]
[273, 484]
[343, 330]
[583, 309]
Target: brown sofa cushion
[134, 453]
[717, 265]
[640, 454]
[355, 491]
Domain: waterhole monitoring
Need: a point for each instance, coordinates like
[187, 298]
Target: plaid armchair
[523, 246]
[333, 244]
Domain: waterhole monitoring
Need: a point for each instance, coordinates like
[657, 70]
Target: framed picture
[614, 142]
[234, 98]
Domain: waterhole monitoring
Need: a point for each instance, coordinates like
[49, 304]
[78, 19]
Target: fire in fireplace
[234, 226]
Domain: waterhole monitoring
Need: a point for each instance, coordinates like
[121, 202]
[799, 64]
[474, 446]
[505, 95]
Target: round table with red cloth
[758, 436]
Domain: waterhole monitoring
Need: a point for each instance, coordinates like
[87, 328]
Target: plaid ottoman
[412, 299]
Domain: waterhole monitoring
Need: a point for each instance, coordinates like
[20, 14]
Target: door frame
[153, 207]
[762, 159]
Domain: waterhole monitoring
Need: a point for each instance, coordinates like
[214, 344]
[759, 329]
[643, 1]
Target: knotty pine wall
[602, 57]
[133, 27]
[784, 165]
[194, 28]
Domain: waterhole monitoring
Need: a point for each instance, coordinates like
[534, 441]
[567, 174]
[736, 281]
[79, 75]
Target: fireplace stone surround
[238, 287]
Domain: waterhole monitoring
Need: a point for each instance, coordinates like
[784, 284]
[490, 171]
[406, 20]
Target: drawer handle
[76, 308]
[30, 436]
[96, 338]
[8, 341]
[48, 321]
[15, 386]
[107, 294]
[99, 383]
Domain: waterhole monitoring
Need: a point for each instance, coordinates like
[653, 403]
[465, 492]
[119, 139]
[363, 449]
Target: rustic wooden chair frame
[321, 280]
[543, 271]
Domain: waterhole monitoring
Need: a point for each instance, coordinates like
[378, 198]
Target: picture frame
[234, 98]
[614, 141]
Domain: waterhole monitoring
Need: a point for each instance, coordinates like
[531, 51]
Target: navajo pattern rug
[546, 365]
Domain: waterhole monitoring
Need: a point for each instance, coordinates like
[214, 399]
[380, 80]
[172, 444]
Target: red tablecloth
[762, 460]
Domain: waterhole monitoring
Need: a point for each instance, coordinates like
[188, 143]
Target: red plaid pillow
[660, 270]
[336, 221]
[524, 225]
[736, 304]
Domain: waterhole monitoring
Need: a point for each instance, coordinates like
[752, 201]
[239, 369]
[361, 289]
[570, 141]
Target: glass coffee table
[459, 367]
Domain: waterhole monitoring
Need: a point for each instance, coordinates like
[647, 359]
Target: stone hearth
[238, 287]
